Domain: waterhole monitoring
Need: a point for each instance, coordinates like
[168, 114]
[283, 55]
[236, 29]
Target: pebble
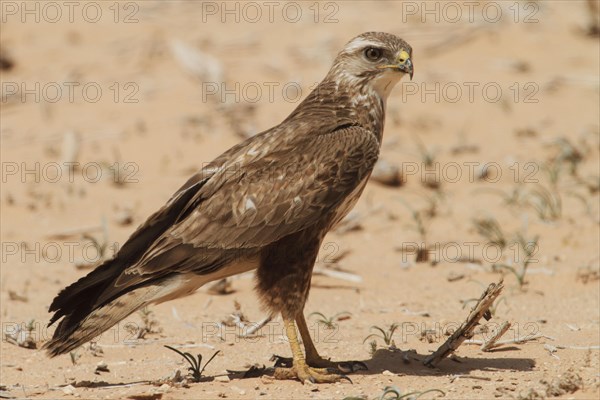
[69, 390]
[387, 174]
[102, 367]
[222, 378]
[239, 390]
[164, 388]
[124, 217]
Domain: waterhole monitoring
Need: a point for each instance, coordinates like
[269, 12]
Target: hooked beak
[403, 63]
[407, 67]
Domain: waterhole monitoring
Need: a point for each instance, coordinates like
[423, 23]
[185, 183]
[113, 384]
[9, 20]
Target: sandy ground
[504, 108]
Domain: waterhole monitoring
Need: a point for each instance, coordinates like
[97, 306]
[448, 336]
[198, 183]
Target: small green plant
[30, 326]
[149, 323]
[420, 224]
[330, 322]
[429, 180]
[22, 335]
[523, 248]
[195, 363]
[547, 203]
[433, 204]
[553, 170]
[491, 230]
[528, 247]
[427, 155]
[372, 347]
[514, 197]
[395, 393]
[568, 154]
[385, 335]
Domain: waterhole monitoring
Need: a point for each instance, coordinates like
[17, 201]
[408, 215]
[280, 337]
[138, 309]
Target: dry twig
[481, 310]
[492, 342]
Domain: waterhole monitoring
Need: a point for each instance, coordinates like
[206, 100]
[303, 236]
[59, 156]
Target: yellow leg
[315, 360]
[300, 370]
[290, 331]
[312, 355]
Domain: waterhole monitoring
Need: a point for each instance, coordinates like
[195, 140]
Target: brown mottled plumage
[264, 204]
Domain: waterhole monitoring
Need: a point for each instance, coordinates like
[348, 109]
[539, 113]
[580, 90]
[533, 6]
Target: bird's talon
[345, 367]
[280, 361]
[306, 374]
[358, 366]
[348, 367]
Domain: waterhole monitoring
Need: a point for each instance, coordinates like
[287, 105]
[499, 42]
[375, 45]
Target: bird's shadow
[392, 360]
[411, 363]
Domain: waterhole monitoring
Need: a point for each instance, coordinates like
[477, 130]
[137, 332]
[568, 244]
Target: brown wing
[248, 204]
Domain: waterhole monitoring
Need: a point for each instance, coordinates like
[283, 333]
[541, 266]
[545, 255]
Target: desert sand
[107, 108]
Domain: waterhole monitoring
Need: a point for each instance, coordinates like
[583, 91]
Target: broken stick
[465, 331]
[493, 341]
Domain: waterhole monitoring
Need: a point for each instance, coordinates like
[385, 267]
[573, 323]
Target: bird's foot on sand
[305, 373]
[343, 367]
[346, 367]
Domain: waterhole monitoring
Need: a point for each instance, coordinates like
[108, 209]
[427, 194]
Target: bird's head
[374, 60]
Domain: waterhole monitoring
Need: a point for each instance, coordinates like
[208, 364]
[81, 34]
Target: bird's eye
[373, 53]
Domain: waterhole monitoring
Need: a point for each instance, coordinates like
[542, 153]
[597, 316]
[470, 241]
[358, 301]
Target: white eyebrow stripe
[361, 43]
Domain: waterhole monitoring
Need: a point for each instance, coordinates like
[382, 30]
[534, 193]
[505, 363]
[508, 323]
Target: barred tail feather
[98, 300]
[72, 331]
[86, 318]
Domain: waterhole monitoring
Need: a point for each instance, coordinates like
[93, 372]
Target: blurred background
[108, 107]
